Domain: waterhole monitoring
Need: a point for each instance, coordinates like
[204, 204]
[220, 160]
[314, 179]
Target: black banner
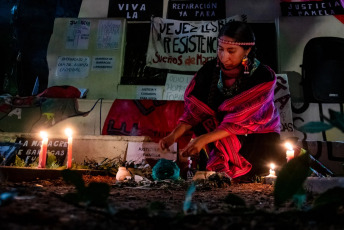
[31, 147]
[196, 10]
[312, 8]
[135, 10]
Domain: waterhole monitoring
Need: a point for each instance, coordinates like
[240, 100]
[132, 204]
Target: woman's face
[230, 55]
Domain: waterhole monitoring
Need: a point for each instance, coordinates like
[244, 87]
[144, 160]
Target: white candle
[272, 170]
[43, 152]
[69, 133]
[290, 151]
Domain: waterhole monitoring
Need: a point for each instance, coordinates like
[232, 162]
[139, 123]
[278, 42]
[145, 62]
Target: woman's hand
[194, 147]
[166, 142]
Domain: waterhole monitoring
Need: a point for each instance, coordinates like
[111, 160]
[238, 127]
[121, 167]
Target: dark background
[26, 27]
[27, 32]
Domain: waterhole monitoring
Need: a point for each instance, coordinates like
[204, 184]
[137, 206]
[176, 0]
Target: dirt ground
[42, 204]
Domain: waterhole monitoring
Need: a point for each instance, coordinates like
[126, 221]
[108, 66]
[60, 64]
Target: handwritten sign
[149, 92]
[196, 9]
[31, 147]
[108, 34]
[183, 45]
[175, 86]
[139, 152]
[78, 34]
[72, 66]
[103, 63]
[135, 10]
[283, 104]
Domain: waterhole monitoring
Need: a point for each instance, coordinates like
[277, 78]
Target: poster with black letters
[135, 10]
[196, 10]
[30, 148]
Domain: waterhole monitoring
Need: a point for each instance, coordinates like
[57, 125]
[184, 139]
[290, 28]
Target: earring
[217, 62]
[244, 62]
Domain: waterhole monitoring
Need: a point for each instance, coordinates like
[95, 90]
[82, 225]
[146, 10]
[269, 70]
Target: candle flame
[43, 134]
[68, 132]
[289, 146]
[272, 165]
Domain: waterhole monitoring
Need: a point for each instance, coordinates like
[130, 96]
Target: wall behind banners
[292, 35]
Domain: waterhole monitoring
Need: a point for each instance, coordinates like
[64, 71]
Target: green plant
[51, 161]
[19, 162]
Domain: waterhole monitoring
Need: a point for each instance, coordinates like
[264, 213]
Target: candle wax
[290, 154]
[43, 153]
[69, 153]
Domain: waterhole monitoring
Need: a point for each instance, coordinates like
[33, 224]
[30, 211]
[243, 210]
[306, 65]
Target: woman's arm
[195, 146]
[167, 141]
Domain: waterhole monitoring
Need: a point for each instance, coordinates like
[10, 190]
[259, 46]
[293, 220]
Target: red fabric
[340, 17]
[252, 111]
[153, 118]
[64, 91]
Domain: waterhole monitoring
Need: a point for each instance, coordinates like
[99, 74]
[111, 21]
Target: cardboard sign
[103, 63]
[149, 92]
[175, 86]
[283, 104]
[108, 35]
[78, 34]
[69, 66]
[141, 152]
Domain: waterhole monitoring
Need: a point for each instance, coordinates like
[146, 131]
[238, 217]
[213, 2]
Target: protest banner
[183, 45]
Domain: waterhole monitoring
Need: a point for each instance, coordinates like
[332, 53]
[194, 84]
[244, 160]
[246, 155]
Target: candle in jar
[69, 133]
[290, 151]
[43, 152]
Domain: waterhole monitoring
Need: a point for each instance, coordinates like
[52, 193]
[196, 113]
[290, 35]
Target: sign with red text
[183, 45]
[312, 7]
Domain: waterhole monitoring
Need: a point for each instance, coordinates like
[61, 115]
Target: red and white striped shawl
[252, 111]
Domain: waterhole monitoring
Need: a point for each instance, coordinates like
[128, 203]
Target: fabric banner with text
[183, 45]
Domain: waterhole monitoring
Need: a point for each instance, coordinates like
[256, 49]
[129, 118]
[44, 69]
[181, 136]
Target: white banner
[283, 104]
[183, 45]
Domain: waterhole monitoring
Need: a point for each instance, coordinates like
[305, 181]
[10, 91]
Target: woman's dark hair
[240, 32]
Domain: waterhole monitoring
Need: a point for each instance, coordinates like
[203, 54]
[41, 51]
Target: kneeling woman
[229, 104]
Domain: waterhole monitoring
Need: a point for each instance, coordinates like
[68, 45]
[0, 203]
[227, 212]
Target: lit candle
[290, 151]
[43, 152]
[69, 133]
[272, 170]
